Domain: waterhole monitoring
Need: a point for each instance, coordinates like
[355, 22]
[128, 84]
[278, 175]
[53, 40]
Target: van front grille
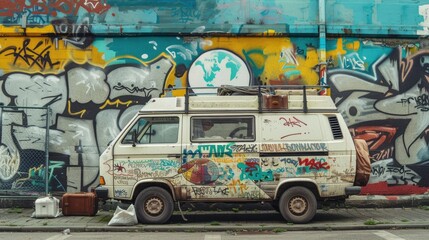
[335, 127]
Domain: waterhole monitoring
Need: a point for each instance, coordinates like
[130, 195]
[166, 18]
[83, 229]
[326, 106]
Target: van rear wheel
[298, 205]
[154, 205]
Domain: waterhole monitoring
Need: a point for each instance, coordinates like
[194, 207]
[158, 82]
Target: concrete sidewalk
[332, 219]
[354, 216]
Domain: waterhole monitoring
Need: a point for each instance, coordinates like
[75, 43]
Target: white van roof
[296, 99]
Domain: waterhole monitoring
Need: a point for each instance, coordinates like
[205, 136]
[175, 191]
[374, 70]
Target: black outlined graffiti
[134, 89]
[77, 34]
[421, 102]
[76, 140]
[38, 55]
[394, 99]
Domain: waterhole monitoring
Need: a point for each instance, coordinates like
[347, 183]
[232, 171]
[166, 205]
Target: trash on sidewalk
[47, 207]
[123, 217]
[66, 231]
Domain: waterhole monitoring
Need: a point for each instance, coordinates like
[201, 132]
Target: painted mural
[385, 102]
[94, 64]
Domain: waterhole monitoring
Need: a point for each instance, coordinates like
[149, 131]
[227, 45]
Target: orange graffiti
[117, 103]
[81, 113]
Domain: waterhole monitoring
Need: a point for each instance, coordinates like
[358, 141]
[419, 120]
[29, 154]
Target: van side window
[222, 129]
[154, 130]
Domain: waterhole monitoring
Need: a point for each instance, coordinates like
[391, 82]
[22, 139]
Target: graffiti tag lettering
[31, 56]
[292, 122]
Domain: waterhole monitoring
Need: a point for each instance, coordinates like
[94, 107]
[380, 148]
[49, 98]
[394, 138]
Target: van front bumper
[353, 190]
[102, 193]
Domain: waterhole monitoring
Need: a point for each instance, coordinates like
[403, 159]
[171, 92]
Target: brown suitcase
[275, 101]
[79, 204]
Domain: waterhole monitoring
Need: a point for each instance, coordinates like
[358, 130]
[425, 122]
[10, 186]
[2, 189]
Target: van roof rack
[270, 97]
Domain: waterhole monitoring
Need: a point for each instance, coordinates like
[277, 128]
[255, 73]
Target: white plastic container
[47, 207]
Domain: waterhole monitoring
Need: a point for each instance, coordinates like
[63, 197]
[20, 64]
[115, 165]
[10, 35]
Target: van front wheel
[298, 205]
[154, 205]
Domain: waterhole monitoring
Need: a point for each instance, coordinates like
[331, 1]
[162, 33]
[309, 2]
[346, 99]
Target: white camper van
[289, 147]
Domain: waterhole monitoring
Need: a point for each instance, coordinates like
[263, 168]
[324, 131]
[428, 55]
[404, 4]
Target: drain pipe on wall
[322, 45]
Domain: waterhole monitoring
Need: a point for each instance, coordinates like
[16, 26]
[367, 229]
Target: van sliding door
[221, 159]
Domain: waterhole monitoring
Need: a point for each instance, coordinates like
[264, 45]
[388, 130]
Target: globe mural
[215, 68]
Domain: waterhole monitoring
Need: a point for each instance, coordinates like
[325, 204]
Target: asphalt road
[421, 234]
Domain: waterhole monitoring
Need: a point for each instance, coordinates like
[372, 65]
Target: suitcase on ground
[47, 207]
[79, 204]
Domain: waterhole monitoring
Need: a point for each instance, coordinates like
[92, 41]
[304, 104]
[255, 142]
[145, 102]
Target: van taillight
[102, 181]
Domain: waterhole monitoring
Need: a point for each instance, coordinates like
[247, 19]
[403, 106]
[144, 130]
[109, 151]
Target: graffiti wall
[383, 94]
[96, 62]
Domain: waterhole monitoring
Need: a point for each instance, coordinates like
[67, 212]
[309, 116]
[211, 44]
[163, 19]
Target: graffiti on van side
[244, 148]
[190, 153]
[238, 157]
[119, 167]
[237, 187]
[124, 179]
[252, 195]
[285, 171]
[121, 193]
[317, 163]
[211, 150]
[153, 165]
[275, 161]
[294, 147]
[252, 171]
[141, 174]
[278, 147]
[290, 161]
[216, 150]
[204, 191]
[292, 122]
[269, 162]
[226, 174]
[200, 171]
[238, 191]
[300, 147]
[312, 165]
[286, 167]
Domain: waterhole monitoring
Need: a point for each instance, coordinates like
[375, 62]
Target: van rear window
[222, 129]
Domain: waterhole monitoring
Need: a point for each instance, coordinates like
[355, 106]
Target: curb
[193, 228]
[387, 201]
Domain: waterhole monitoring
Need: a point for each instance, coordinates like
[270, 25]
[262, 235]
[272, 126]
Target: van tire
[298, 205]
[154, 205]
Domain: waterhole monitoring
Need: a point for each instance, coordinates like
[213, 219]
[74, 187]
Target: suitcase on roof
[79, 204]
[275, 101]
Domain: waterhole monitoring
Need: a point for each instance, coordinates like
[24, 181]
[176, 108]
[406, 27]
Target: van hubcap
[298, 205]
[154, 206]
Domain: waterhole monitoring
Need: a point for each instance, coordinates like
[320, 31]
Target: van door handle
[173, 156]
